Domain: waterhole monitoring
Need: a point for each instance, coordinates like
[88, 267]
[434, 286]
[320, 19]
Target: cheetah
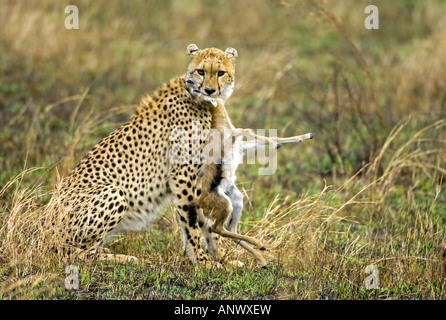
[219, 198]
[153, 159]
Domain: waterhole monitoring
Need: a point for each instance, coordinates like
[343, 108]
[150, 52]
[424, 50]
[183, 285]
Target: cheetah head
[212, 71]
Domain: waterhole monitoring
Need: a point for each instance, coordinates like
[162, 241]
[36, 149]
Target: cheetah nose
[209, 91]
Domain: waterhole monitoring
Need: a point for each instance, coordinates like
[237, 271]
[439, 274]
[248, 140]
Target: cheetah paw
[235, 263]
[211, 265]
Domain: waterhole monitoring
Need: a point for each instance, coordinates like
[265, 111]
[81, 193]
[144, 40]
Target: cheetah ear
[192, 49]
[231, 53]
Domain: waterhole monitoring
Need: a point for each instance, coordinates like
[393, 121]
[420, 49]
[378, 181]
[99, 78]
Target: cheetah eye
[220, 73]
[200, 72]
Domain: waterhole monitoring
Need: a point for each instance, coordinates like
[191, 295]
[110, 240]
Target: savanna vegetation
[366, 191]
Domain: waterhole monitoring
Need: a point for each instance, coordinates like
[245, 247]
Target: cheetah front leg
[183, 190]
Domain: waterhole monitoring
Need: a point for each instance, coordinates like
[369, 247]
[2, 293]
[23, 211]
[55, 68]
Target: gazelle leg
[249, 133]
[295, 138]
[254, 253]
[219, 228]
[249, 145]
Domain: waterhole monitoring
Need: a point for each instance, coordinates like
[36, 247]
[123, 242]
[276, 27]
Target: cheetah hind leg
[104, 206]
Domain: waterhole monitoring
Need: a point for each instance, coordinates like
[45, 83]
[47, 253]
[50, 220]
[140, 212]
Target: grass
[368, 190]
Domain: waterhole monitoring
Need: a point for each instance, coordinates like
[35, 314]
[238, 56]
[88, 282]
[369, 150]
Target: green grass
[367, 190]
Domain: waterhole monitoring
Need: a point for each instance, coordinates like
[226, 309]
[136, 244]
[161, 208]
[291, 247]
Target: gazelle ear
[231, 53]
[192, 49]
